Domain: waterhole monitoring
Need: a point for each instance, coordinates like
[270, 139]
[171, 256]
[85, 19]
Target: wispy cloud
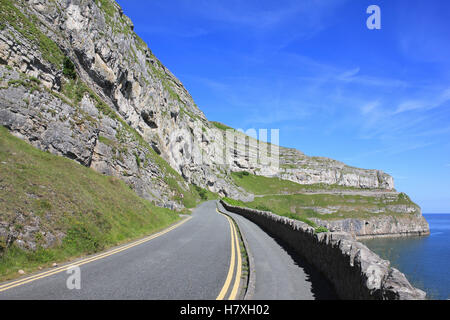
[297, 89]
[349, 74]
[312, 69]
[354, 76]
[369, 107]
[423, 105]
[378, 81]
[319, 72]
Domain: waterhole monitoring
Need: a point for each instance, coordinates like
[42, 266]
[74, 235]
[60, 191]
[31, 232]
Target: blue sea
[424, 260]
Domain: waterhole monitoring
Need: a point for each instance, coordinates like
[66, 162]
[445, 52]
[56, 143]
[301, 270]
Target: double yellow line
[45, 274]
[235, 255]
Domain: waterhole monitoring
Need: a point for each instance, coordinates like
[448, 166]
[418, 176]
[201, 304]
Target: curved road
[280, 274]
[189, 262]
[193, 260]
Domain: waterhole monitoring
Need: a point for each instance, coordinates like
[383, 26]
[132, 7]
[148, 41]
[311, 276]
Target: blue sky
[371, 98]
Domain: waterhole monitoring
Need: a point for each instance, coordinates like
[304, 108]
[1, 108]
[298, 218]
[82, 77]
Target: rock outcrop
[131, 83]
[379, 226]
[124, 107]
[300, 168]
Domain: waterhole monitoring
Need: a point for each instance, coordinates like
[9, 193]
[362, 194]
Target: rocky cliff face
[379, 226]
[297, 167]
[125, 114]
[124, 111]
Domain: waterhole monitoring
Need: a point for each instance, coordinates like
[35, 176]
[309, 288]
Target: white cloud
[369, 107]
[320, 72]
[349, 74]
[412, 105]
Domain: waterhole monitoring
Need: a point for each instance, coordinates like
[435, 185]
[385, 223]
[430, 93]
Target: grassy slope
[257, 206]
[349, 206]
[73, 91]
[220, 125]
[279, 196]
[66, 196]
[260, 185]
[95, 211]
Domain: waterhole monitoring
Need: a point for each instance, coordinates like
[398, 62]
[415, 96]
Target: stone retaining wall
[353, 269]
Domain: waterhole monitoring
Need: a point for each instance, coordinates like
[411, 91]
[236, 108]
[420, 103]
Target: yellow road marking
[45, 274]
[235, 251]
[225, 287]
[237, 279]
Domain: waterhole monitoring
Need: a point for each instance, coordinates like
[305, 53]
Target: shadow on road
[321, 288]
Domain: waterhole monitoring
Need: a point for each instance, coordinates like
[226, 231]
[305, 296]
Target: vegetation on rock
[261, 185]
[28, 28]
[69, 68]
[81, 210]
[326, 202]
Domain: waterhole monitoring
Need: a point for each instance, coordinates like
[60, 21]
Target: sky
[375, 99]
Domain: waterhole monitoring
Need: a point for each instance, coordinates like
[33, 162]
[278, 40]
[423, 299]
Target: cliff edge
[77, 81]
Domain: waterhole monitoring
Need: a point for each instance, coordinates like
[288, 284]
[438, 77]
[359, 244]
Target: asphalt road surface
[189, 262]
[193, 260]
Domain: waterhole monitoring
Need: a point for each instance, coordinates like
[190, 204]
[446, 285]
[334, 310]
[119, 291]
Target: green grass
[204, 194]
[69, 69]
[75, 89]
[234, 202]
[27, 27]
[108, 7]
[297, 201]
[106, 141]
[93, 210]
[290, 215]
[112, 18]
[321, 229]
[261, 185]
[220, 125]
[288, 166]
[346, 206]
[31, 83]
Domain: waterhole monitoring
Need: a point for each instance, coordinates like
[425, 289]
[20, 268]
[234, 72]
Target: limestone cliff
[379, 226]
[122, 112]
[300, 168]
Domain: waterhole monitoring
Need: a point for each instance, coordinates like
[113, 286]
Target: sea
[424, 260]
